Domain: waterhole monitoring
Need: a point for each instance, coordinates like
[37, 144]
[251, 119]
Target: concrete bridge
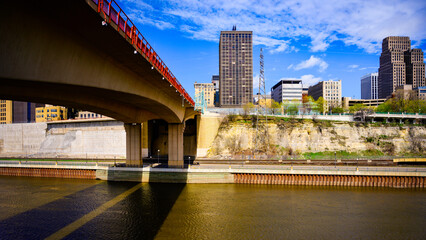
[88, 54]
[387, 117]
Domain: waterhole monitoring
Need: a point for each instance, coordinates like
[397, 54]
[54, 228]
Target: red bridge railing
[113, 12]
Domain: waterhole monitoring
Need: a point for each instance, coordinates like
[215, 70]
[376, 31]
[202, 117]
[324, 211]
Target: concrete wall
[92, 139]
[21, 139]
[101, 139]
[207, 132]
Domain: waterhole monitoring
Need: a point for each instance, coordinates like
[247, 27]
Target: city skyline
[310, 41]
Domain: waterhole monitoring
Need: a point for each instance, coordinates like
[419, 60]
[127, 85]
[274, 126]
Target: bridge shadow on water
[139, 215]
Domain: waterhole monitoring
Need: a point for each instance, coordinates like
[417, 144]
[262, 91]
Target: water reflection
[218, 211]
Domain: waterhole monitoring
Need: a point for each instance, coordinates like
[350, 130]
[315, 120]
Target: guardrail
[113, 13]
[55, 163]
[333, 169]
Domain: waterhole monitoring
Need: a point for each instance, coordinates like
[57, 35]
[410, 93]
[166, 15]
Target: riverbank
[398, 177]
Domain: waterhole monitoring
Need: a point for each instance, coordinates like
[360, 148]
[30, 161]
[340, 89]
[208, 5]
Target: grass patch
[342, 154]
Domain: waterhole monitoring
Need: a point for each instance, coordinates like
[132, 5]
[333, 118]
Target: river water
[36, 208]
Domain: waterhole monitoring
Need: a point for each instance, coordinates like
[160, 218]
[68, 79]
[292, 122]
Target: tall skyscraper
[415, 68]
[369, 87]
[399, 65]
[235, 68]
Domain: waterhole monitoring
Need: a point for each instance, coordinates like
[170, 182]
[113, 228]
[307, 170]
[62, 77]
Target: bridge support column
[175, 145]
[133, 144]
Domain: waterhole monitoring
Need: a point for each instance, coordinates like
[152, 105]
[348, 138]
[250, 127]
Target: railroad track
[340, 162]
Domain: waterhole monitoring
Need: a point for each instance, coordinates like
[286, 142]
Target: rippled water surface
[36, 208]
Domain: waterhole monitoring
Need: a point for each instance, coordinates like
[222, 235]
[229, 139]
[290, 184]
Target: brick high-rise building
[330, 90]
[235, 68]
[415, 68]
[399, 65]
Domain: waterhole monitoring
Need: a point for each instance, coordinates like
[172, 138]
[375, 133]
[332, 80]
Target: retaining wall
[67, 139]
[48, 172]
[240, 176]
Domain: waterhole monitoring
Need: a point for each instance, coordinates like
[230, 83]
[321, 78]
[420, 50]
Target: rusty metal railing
[113, 13]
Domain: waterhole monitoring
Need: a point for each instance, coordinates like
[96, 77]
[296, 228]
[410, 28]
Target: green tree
[337, 110]
[320, 105]
[247, 108]
[384, 107]
[293, 107]
[357, 107]
[403, 101]
[275, 107]
[307, 103]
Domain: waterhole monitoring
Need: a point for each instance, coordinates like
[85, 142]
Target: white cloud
[310, 63]
[353, 66]
[279, 24]
[256, 82]
[310, 79]
[365, 68]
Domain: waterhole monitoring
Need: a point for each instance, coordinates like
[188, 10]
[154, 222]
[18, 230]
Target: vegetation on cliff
[314, 139]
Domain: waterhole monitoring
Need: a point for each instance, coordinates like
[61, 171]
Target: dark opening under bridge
[89, 55]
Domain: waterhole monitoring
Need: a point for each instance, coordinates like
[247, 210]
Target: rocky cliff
[288, 137]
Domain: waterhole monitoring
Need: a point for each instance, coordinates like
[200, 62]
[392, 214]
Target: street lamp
[335, 160]
[357, 164]
[158, 156]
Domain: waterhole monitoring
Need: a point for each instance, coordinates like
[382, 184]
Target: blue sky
[309, 40]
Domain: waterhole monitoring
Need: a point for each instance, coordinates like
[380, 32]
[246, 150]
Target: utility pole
[262, 115]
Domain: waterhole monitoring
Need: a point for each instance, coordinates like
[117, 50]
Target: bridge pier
[133, 144]
[175, 144]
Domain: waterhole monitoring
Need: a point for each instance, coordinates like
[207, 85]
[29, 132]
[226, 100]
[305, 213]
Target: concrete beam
[133, 144]
[175, 145]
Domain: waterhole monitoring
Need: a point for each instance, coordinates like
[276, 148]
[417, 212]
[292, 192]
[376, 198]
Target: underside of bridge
[59, 52]
[174, 141]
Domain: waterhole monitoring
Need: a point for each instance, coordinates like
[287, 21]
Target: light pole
[357, 164]
[335, 160]
[158, 156]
